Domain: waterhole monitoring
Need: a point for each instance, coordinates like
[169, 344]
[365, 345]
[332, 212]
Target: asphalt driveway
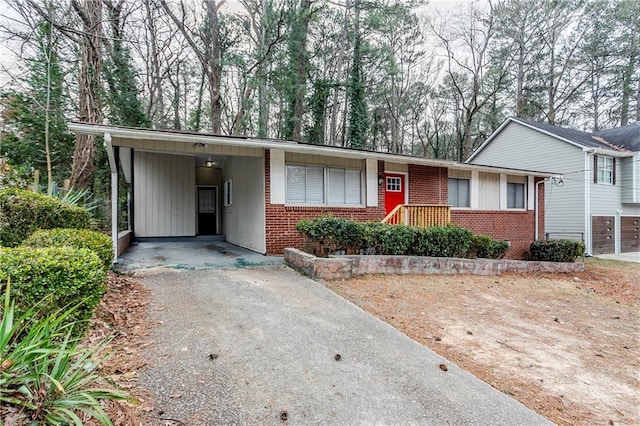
[264, 345]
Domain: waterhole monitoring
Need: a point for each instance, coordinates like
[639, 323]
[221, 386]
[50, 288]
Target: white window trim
[606, 161]
[228, 193]
[325, 169]
[461, 207]
[525, 196]
[406, 183]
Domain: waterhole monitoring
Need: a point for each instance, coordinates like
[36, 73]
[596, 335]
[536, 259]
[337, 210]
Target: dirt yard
[566, 346]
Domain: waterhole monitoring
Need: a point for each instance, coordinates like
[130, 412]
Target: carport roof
[121, 132]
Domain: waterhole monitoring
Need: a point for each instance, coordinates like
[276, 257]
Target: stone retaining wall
[345, 267]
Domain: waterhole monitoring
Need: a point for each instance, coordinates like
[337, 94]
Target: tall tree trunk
[299, 64]
[263, 115]
[638, 103]
[90, 12]
[156, 92]
[626, 92]
[214, 71]
[333, 122]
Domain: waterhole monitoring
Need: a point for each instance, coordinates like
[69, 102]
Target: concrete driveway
[266, 346]
[625, 257]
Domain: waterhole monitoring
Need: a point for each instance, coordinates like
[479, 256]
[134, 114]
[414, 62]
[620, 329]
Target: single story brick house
[254, 191]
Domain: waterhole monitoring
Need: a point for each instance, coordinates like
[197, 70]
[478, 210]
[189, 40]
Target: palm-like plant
[44, 376]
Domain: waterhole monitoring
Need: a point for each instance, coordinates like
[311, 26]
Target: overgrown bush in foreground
[330, 234]
[62, 276]
[23, 211]
[95, 241]
[556, 250]
[44, 377]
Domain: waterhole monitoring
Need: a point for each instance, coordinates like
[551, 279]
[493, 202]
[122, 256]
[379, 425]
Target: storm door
[207, 210]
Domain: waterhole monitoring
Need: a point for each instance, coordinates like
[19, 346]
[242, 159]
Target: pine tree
[36, 135]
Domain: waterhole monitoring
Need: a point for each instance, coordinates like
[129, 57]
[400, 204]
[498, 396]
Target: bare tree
[473, 76]
[90, 14]
[204, 40]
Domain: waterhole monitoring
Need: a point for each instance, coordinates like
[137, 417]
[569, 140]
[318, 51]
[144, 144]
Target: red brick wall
[281, 220]
[514, 226]
[428, 185]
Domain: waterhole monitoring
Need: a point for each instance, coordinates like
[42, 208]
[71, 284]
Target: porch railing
[422, 215]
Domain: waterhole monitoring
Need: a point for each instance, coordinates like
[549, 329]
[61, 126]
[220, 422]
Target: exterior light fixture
[380, 179]
[209, 163]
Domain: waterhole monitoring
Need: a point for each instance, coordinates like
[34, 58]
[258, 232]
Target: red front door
[393, 191]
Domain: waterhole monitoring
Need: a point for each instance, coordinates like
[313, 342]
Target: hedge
[61, 276]
[483, 246]
[556, 250]
[97, 242]
[326, 235]
[22, 212]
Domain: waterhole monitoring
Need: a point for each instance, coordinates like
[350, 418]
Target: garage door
[603, 230]
[630, 236]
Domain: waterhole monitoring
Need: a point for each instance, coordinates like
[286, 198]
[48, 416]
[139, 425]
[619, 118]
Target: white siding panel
[396, 167]
[460, 174]
[164, 195]
[517, 146]
[277, 176]
[372, 182]
[244, 219]
[351, 163]
[489, 191]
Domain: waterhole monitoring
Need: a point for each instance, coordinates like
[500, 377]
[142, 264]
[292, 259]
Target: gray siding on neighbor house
[164, 188]
[518, 146]
[605, 199]
[630, 169]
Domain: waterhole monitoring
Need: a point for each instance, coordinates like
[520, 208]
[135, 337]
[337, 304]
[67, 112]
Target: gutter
[587, 199]
[289, 146]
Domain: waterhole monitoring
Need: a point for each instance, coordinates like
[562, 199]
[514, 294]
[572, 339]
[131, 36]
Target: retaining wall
[346, 267]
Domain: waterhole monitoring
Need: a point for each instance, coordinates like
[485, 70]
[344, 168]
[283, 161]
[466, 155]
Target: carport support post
[114, 195]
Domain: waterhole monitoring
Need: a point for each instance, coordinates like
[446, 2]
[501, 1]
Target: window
[515, 195]
[323, 185]
[394, 184]
[604, 170]
[459, 192]
[228, 200]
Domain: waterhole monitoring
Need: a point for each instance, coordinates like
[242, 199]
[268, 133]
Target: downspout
[537, 211]
[588, 173]
[114, 195]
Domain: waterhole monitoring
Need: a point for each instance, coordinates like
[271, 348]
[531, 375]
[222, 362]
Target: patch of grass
[611, 263]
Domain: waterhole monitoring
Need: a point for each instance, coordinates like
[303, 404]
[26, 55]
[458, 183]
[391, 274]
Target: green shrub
[382, 238]
[63, 276]
[483, 246]
[23, 211]
[556, 250]
[331, 233]
[44, 377]
[442, 241]
[97, 242]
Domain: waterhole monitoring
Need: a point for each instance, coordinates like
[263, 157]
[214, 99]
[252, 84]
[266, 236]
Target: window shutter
[614, 170]
[595, 168]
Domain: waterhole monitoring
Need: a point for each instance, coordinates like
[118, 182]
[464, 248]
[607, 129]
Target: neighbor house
[597, 198]
[254, 191]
